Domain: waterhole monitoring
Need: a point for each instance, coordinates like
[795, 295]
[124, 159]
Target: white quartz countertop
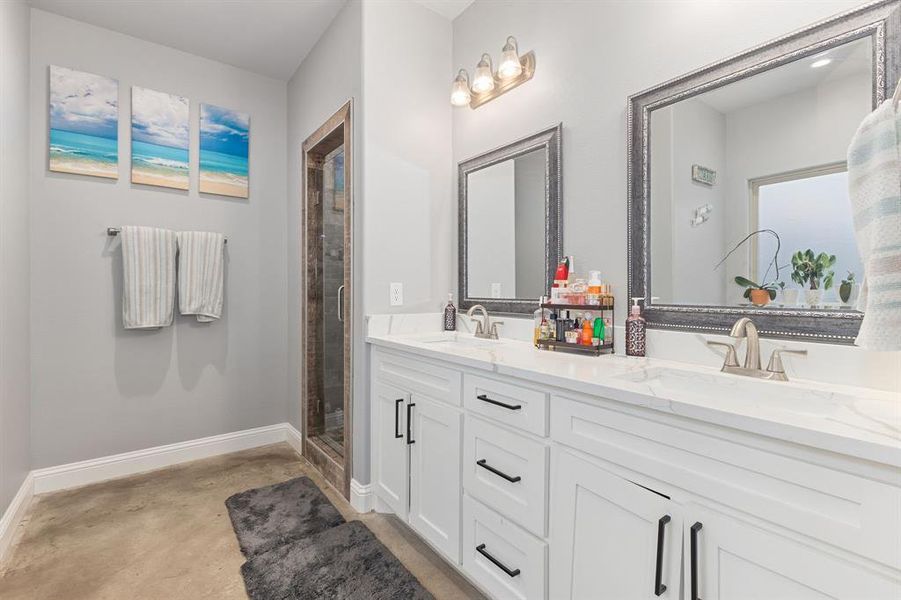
[857, 422]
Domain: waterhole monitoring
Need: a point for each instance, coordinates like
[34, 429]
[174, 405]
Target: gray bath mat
[342, 563]
[270, 516]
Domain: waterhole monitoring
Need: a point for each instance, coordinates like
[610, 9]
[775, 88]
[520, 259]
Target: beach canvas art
[84, 114]
[224, 144]
[159, 139]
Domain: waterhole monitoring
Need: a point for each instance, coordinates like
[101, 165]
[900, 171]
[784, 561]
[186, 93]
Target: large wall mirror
[739, 202]
[510, 224]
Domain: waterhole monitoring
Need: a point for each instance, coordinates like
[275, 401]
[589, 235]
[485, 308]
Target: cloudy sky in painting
[83, 102]
[159, 118]
[224, 130]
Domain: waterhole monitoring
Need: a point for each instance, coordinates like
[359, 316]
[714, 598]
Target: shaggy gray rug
[342, 563]
[267, 517]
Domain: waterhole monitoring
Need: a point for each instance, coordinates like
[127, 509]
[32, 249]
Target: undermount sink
[461, 339]
[731, 389]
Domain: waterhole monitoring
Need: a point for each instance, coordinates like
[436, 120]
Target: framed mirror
[511, 234]
[738, 183]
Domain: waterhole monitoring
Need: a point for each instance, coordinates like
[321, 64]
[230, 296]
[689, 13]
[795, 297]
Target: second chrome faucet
[744, 328]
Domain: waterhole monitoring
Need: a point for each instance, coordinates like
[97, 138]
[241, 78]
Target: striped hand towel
[148, 279]
[874, 179]
[201, 272]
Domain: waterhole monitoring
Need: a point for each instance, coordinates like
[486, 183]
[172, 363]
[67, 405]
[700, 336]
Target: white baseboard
[130, 463]
[14, 514]
[360, 496]
[293, 437]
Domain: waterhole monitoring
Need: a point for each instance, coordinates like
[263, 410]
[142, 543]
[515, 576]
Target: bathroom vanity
[542, 475]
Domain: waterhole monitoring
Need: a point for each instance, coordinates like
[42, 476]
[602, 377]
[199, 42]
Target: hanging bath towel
[148, 277]
[201, 274]
[874, 179]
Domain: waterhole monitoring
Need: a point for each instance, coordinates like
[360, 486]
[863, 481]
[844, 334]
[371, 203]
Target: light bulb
[483, 81]
[510, 66]
[460, 95]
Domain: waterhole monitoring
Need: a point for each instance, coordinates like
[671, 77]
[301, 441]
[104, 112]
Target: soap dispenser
[635, 330]
[450, 314]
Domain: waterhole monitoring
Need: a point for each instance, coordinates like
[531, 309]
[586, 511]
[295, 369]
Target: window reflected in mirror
[763, 154]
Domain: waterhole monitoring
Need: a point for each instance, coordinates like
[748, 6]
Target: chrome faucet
[485, 328]
[745, 328]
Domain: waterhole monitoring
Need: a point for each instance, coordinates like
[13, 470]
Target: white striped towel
[201, 273]
[874, 180]
[148, 277]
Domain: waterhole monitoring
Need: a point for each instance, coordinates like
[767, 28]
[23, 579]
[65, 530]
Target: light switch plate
[396, 294]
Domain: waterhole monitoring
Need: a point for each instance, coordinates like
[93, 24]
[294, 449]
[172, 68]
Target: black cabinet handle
[410, 439]
[481, 550]
[659, 587]
[397, 404]
[694, 560]
[485, 398]
[484, 464]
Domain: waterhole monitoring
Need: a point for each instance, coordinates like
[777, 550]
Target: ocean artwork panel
[159, 139]
[224, 151]
[84, 116]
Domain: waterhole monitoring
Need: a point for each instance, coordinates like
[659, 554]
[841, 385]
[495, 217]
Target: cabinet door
[391, 460]
[610, 538]
[733, 560]
[435, 473]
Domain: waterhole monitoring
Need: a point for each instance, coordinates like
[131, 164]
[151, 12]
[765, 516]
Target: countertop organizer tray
[605, 348]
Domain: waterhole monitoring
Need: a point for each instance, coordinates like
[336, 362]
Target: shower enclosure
[327, 324]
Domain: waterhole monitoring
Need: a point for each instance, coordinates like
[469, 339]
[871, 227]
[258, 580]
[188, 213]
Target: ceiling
[270, 38]
[851, 59]
[449, 9]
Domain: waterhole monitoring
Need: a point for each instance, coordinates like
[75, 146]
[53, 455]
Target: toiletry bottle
[635, 331]
[536, 324]
[450, 314]
[561, 279]
[598, 333]
[587, 330]
[594, 283]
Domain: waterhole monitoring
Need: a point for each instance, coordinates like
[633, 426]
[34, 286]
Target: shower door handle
[341, 303]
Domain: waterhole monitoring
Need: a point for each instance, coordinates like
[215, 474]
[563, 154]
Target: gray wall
[590, 57]
[100, 390]
[15, 380]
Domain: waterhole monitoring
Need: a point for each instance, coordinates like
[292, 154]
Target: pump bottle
[635, 330]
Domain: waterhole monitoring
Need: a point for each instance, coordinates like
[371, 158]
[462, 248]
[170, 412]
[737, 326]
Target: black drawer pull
[659, 587]
[397, 404]
[485, 398]
[481, 550]
[410, 439]
[694, 560]
[484, 464]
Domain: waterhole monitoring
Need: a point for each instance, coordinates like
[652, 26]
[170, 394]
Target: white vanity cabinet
[416, 448]
[537, 492]
[611, 537]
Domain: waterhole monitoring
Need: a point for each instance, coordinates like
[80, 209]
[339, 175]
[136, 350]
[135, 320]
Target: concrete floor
[167, 535]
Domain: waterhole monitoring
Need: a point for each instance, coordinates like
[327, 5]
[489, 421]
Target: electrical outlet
[396, 294]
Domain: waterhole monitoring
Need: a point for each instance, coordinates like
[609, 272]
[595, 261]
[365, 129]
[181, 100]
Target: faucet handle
[493, 332]
[775, 365]
[731, 357]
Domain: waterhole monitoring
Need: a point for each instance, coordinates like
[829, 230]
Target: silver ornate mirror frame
[550, 140]
[881, 21]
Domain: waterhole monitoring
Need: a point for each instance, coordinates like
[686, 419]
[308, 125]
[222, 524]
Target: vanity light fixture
[460, 95]
[487, 84]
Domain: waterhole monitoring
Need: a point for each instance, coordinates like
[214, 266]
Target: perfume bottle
[450, 314]
[635, 331]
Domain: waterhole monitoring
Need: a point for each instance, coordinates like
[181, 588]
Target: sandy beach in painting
[223, 184]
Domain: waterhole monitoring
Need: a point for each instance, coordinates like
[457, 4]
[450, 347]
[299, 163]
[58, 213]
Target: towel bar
[114, 231]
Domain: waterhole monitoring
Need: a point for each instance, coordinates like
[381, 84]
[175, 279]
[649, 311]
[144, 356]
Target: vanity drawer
[511, 404]
[417, 376]
[506, 471]
[854, 513]
[501, 557]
